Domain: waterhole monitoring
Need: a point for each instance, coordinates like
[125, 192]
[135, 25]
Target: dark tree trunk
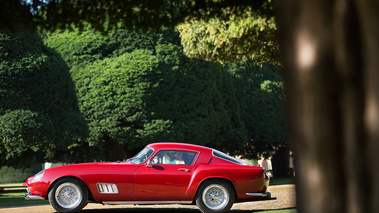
[331, 50]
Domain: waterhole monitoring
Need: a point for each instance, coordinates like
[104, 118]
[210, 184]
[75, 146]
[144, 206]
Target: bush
[17, 175]
[260, 94]
[156, 94]
[38, 106]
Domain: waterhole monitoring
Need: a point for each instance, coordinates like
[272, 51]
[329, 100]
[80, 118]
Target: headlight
[37, 177]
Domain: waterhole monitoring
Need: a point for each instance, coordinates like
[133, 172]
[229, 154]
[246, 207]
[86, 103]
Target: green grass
[282, 181]
[280, 211]
[14, 195]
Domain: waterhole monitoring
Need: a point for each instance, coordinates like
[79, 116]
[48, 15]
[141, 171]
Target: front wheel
[68, 195]
[215, 196]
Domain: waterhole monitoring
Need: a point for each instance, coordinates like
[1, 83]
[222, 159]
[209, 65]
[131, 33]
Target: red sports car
[162, 173]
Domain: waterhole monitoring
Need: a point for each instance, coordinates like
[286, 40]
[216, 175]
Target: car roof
[187, 146]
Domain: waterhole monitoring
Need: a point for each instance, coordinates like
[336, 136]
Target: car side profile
[162, 173]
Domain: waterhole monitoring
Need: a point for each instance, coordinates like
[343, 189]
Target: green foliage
[260, 93]
[236, 35]
[21, 130]
[198, 97]
[16, 175]
[155, 93]
[218, 30]
[144, 89]
[105, 15]
[110, 93]
[85, 48]
[136, 88]
[132, 89]
[38, 107]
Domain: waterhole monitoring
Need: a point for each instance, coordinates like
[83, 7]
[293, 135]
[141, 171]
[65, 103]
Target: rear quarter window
[226, 157]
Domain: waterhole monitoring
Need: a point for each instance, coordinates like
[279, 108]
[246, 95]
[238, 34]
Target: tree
[37, 99]
[260, 94]
[330, 51]
[239, 34]
[224, 30]
[135, 88]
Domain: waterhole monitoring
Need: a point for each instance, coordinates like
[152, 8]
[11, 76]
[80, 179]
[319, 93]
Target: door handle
[183, 169]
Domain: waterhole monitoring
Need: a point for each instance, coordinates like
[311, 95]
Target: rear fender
[243, 179]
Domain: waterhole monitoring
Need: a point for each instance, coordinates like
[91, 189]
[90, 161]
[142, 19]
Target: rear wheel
[68, 195]
[215, 196]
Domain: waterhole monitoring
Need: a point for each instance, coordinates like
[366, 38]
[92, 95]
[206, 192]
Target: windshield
[142, 156]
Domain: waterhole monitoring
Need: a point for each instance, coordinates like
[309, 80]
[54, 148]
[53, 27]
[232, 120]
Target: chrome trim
[196, 158]
[107, 188]
[266, 194]
[33, 197]
[154, 151]
[145, 202]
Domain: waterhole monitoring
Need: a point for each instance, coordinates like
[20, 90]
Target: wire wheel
[215, 197]
[68, 195]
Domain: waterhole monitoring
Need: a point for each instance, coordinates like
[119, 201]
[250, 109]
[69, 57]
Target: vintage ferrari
[162, 173]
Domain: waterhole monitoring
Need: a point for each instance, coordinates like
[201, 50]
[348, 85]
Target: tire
[68, 195]
[215, 196]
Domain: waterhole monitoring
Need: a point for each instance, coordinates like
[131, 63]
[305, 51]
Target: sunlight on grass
[280, 211]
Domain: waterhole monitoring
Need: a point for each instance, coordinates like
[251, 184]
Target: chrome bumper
[28, 196]
[266, 195]
[33, 197]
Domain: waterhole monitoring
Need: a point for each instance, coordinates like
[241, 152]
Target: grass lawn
[282, 181]
[13, 195]
[279, 211]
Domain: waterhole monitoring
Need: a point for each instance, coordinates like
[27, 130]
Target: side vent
[107, 188]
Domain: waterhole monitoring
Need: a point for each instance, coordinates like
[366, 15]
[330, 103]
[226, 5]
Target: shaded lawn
[14, 195]
[282, 181]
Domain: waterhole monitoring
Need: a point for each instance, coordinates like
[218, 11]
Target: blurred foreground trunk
[331, 61]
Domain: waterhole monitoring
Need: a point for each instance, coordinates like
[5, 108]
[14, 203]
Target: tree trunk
[331, 50]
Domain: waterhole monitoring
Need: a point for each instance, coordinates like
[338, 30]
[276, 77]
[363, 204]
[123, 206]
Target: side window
[166, 157]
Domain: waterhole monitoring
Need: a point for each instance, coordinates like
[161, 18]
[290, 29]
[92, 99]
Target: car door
[165, 177]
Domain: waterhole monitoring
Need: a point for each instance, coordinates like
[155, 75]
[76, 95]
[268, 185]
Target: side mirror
[148, 164]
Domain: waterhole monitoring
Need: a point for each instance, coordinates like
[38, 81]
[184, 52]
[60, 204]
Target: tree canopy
[118, 77]
[218, 30]
[135, 88]
[237, 35]
[260, 95]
